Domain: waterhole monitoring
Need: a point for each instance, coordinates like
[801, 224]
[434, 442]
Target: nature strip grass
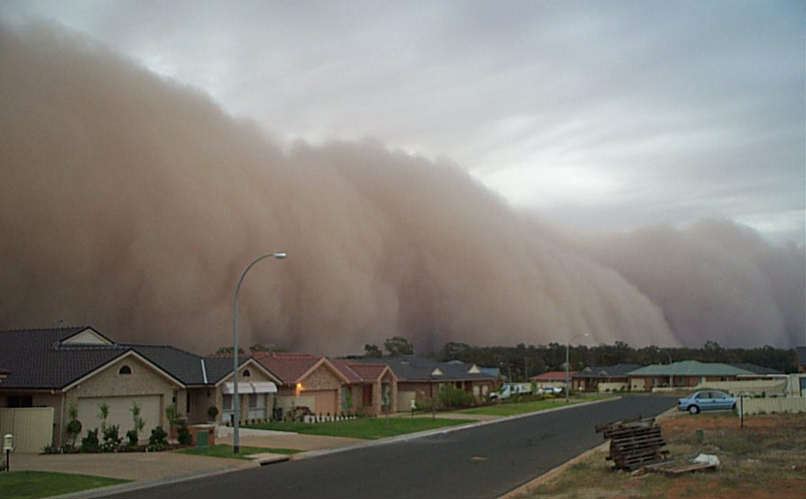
[225, 451]
[34, 484]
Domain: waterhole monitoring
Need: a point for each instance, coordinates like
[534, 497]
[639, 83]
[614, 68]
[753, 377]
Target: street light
[236, 403]
[567, 347]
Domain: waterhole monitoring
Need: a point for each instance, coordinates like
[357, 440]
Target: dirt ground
[764, 460]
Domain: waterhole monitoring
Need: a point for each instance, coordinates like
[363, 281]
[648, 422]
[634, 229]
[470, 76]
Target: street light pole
[568, 347]
[236, 403]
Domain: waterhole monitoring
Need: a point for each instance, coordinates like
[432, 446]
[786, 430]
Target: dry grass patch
[764, 460]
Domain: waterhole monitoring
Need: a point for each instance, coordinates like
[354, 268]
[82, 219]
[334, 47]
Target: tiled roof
[690, 368]
[614, 371]
[801, 355]
[38, 359]
[289, 367]
[413, 368]
[756, 369]
[553, 376]
[368, 372]
[346, 368]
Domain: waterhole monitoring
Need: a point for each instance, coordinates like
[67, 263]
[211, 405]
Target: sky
[601, 115]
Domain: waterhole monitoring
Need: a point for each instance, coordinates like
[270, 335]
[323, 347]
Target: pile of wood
[634, 442]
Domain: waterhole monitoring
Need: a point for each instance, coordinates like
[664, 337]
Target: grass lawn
[514, 408]
[222, 450]
[31, 484]
[764, 460]
[366, 428]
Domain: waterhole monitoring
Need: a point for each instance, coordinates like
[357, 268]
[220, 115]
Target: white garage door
[119, 413]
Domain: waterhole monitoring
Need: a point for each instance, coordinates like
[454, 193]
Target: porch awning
[250, 387]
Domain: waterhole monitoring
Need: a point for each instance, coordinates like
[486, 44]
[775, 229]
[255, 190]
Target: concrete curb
[526, 487]
[439, 431]
[147, 484]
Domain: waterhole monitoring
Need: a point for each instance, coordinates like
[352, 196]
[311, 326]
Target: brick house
[307, 381]
[372, 388]
[419, 379]
[603, 378]
[79, 367]
[801, 353]
[685, 374]
[552, 379]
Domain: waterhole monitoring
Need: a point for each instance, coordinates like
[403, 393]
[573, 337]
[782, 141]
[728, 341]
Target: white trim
[95, 335]
[125, 355]
[249, 387]
[204, 371]
[258, 365]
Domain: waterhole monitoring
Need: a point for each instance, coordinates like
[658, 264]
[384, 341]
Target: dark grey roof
[801, 355]
[36, 358]
[755, 369]
[614, 371]
[414, 368]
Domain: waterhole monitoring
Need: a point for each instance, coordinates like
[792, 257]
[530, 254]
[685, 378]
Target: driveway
[478, 462]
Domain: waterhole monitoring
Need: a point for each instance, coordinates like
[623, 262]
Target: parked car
[550, 390]
[510, 389]
[706, 401]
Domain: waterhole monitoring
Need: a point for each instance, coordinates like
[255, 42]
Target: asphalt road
[507, 454]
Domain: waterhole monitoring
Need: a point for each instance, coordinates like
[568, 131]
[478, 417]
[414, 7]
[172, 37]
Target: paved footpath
[479, 462]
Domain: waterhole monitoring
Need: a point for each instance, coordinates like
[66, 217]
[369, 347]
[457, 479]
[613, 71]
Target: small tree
[172, 414]
[398, 345]
[138, 424]
[73, 425]
[372, 351]
[103, 413]
[212, 412]
[111, 438]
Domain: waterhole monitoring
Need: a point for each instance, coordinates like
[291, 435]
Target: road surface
[481, 462]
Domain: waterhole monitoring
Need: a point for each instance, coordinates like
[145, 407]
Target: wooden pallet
[634, 442]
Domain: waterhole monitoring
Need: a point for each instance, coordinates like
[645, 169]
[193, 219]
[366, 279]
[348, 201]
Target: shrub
[111, 438]
[450, 396]
[183, 434]
[212, 412]
[132, 438]
[90, 443]
[73, 428]
[158, 439]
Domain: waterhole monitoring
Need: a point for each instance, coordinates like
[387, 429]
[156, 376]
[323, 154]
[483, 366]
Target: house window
[252, 400]
[19, 401]
[125, 370]
[187, 404]
[227, 402]
[246, 373]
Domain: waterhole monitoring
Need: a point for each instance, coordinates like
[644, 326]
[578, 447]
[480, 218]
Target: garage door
[325, 401]
[119, 413]
[404, 400]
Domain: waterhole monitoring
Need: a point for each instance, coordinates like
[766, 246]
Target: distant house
[757, 371]
[419, 378]
[3, 374]
[603, 378]
[82, 368]
[310, 381]
[372, 388]
[683, 374]
[552, 379]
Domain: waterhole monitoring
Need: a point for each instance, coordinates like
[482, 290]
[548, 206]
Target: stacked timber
[634, 442]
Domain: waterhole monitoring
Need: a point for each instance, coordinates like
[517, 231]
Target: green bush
[132, 438]
[450, 396]
[212, 412]
[183, 434]
[158, 439]
[90, 443]
[111, 438]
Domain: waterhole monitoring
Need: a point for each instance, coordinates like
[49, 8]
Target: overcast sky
[605, 115]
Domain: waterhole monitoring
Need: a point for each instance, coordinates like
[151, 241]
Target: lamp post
[236, 403]
[568, 347]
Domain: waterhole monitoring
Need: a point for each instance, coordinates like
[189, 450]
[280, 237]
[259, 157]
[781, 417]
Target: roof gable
[88, 336]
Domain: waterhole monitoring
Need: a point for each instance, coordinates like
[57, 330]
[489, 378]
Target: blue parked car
[706, 401]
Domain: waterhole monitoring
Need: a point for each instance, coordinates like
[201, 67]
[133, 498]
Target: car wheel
[694, 409]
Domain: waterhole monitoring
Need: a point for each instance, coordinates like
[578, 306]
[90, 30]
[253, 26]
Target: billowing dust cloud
[132, 203]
